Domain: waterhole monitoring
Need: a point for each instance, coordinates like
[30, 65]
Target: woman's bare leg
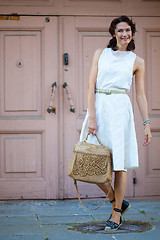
[120, 184]
[106, 187]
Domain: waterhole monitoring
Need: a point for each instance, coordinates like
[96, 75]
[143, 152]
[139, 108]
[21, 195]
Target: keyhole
[19, 63]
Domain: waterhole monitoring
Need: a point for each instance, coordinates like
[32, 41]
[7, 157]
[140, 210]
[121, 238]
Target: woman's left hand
[148, 135]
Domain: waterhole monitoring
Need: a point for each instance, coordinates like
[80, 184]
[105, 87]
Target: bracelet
[146, 121]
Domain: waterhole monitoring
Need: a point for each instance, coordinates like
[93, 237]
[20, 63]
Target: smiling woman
[122, 28]
[110, 113]
[123, 35]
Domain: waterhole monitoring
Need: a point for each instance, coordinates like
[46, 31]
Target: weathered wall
[81, 7]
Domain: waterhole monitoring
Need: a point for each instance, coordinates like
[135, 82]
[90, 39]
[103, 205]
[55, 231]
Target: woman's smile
[123, 35]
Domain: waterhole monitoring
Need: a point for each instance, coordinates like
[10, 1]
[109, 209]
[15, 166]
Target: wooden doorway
[28, 134]
[35, 146]
[88, 34]
[83, 35]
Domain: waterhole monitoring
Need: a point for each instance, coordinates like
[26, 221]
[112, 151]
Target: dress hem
[131, 168]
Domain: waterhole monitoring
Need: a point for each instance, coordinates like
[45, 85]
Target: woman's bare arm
[141, 97]
[92, 126]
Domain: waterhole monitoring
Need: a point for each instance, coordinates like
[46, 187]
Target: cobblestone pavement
[67, 220]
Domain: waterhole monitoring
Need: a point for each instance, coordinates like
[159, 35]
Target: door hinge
[13, 16]
[134, 177]
[134, 180]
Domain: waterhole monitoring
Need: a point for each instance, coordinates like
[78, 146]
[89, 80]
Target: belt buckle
[108, 92]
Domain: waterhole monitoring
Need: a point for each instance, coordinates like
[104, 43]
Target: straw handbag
[90, 163]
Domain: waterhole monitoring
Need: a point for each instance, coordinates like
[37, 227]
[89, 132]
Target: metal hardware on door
[19, 63]
[52, 109]
[65, 58]
[65, 86]
[134, 177]
[66, 69]
[47, 19]
[134, 180]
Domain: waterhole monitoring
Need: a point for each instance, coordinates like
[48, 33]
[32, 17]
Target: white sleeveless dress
[114, 114]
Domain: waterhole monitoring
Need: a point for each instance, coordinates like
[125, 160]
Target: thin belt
[109, 92]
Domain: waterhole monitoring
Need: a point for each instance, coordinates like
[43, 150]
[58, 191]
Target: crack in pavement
[147, 215]
[40, 224]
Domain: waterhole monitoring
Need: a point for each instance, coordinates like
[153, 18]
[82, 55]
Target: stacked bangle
[146, 121]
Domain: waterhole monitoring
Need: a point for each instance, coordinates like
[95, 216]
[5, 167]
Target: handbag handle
[75, 183]
[96, 137]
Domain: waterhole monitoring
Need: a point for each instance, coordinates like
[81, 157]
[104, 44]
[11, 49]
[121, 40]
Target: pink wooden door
[88, 34]
[148, 46]
[28, 134]
[35, 146]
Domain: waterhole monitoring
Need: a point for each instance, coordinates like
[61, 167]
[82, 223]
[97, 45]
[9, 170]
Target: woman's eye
[128, 30]
[120, 30]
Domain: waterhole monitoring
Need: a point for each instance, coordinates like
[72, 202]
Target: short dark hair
[113, 42]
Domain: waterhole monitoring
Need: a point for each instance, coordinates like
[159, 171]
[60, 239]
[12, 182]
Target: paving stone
[60, 209]
[28, 237]
[20, 230]
[62, 233]
[16, 210]
[57, 216]
[65, 219]
[18, 220]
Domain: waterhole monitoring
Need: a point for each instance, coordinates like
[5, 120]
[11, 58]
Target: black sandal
[112, 226]
[112, 200]
[125, 206]
[111, 214]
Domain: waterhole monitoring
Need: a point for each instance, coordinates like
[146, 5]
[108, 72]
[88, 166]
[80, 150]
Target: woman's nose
[124, 33]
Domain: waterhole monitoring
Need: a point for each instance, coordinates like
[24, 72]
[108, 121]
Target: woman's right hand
[92, 126]
[147, 133]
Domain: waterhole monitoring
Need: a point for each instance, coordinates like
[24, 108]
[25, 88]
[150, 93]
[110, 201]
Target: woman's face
[123, 34]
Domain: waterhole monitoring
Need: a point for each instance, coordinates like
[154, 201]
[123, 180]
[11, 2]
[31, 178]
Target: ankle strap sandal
[112, 200]
[125, 206]
[117, 210]
[112, 226]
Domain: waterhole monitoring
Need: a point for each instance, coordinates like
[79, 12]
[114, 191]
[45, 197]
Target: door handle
[72, 108]
[52, 109]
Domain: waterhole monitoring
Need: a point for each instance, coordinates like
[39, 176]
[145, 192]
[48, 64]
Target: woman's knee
[121, 172]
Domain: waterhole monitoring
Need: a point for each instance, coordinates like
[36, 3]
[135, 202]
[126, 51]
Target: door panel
[148, 47]
[22, 154]
[28, 134]
[21, 81]
[88, 42]
[88, 34]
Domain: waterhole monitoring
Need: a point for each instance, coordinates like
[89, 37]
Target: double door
[36, 145]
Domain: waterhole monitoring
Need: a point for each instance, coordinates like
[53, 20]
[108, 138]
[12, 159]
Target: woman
[110, 113]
